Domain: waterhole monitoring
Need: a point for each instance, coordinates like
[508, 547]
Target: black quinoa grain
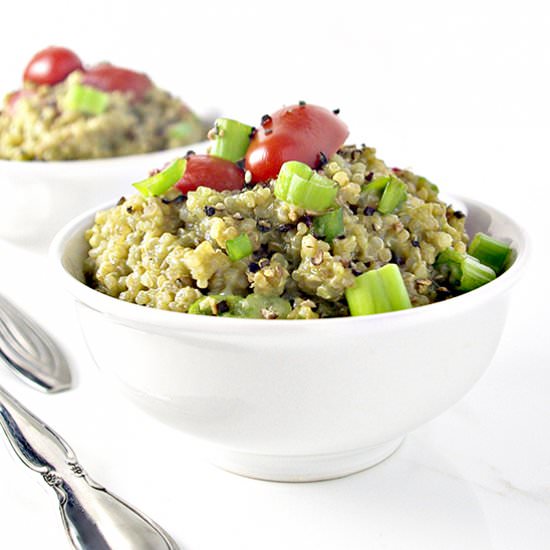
[415, 243]
[284, 227]
[336, 111]
[353, 208]
[209, 210]
[459, 215]
[369, 176]
[223, 307]
[122, 200]
[252, 132]
[266, 119]
[369, 211]
[130, 210]
[302, 103]
[321, 160]
[190, 153]
[177, 200]
[263, 226]
[307, 220]
[253, 267]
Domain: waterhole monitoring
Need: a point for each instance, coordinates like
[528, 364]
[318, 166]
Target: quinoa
[168, 254]
[39, 127]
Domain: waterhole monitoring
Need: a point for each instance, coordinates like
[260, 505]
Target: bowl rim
[78, 164]
[152, 317]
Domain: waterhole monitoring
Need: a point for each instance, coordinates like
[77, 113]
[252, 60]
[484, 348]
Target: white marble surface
[477, 477]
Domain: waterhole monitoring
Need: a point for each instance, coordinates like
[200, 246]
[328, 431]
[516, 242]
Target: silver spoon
[94, 518]
[29, 352]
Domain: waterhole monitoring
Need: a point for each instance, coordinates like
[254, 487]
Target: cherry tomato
[109, 78]
[51, 66]
[299, 132]
[210, 171]
[13, 98]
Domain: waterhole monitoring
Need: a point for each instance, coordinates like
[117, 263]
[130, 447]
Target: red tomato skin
[13, 98]
[298, 132]
[210, 171]
[51, 66]
[110, 78]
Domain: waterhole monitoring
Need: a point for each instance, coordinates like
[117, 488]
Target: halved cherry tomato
[51, 66]
[210, 171]
[13, 98]
[299, 132]
[109, 78]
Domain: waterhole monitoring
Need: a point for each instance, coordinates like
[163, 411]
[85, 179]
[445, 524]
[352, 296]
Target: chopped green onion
[392, 190]
[263, 307]
[215, 304]
[393, 195]
[378, 291]
[329, 225]
[298, 184]
[239, 247]
[86, 99]
[230, 139]
[378, 184]
[464, 271]
[490, 252]
[181, 130]
[163, 181]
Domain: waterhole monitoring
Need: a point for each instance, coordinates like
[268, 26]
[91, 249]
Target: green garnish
[298, 184]
[215, 304]
[394, 194]
[86, 99]
[464, 271]
[329, 225]
[490, 252]
[239, 247]
[392, 190]
[230, 139]
[163, 181]
[378, 291]
[377, 184]
[253, 306]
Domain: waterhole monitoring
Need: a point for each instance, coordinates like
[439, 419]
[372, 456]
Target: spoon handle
[29, 351]
[94, 518]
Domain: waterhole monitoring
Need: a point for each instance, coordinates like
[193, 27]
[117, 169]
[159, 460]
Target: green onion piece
[490, 252]
[465, 272]
[86, 99]
[378, 291]
[239, 247]
[329, 225]
[180, 130]
[394, 194]
[255, 306]
[298, 184]
[230, 139]
[219, 305]
[163, 181]
[474, 274]
[377, 185]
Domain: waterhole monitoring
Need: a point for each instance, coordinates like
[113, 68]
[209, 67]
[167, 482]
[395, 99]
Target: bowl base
[303, 468]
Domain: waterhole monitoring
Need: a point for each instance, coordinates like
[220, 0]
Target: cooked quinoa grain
[171, 254]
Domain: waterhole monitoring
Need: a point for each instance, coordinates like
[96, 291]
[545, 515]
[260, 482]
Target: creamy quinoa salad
[65, 111]
[283, 221]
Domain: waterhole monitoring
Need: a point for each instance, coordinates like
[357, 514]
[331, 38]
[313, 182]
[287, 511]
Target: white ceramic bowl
[38, 198]
[295, 400]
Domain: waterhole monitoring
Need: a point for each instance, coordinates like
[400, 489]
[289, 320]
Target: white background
[457, 91]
